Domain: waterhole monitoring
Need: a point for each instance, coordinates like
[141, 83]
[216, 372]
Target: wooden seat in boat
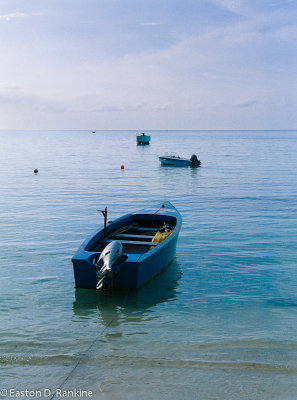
[132, 242]
[128, 236]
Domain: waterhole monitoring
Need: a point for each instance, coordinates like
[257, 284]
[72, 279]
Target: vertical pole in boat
[105, 219]
[104, 213]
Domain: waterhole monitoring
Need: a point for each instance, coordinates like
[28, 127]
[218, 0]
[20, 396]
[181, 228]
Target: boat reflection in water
[115, 307]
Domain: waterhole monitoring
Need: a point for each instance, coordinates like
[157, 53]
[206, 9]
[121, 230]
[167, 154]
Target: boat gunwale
[174, 158]
[85, 252]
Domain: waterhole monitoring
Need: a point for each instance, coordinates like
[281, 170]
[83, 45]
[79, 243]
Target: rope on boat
[81, 357]
[97, 338]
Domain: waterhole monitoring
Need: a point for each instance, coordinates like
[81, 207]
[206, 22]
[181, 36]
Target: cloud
[48, 107]
[132, 108]
[12, 95]
[180, 66]
[248, 103]
[233, 6]
[17, 14]
[9, 86]
[151, 23]
[118, 108]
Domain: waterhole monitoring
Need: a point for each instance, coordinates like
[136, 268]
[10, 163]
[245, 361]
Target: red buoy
[122, 166]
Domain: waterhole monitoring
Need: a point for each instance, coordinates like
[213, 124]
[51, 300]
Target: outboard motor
[107, 260]
[194, 161]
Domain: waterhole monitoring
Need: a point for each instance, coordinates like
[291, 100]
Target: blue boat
[174, 160]
[143, 138]
[130, 251]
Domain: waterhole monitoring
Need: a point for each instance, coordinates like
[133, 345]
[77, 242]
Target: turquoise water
[219, 323]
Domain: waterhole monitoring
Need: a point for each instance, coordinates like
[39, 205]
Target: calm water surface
[219, 323]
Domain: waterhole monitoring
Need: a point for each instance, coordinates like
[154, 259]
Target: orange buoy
[35, 171]
[122, 166]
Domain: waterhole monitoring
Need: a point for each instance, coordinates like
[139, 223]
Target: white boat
[173, 159]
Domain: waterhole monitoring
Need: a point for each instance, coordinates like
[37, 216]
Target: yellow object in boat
[159, 238]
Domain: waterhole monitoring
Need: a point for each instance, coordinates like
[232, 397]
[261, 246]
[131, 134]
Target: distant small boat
[173, 159]
[143, 138]
[129, 251]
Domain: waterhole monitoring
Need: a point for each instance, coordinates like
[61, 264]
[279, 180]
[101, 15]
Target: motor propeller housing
[194, 161]
[107, 260]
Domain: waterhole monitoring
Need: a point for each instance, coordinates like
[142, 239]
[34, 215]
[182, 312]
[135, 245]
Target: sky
[148, 64]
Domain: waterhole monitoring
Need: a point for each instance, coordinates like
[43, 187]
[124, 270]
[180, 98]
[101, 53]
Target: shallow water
[219, 323]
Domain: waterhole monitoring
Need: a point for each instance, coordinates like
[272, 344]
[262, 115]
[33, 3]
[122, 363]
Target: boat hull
[175, 162]
[136, 268]
[143, 139]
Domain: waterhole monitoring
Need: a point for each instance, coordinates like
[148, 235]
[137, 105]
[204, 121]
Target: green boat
[142, 138]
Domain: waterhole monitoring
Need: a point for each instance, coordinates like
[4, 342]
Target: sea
[220, 323]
